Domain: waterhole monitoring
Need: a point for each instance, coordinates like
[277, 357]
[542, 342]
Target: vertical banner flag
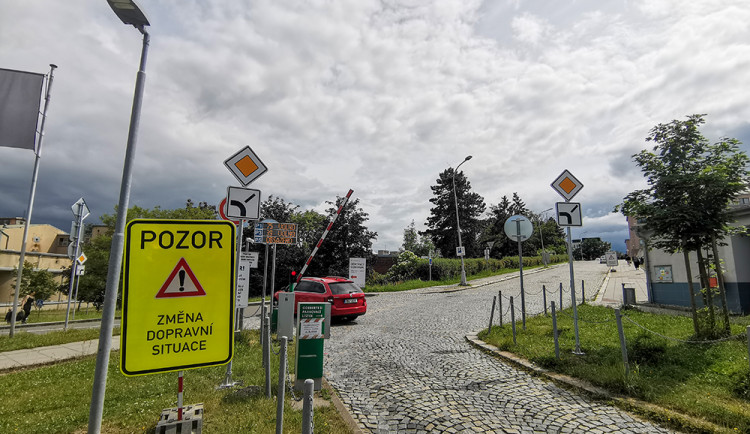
[20, 94]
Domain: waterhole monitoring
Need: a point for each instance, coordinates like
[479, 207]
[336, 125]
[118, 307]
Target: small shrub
[741, 387]
[644, 349]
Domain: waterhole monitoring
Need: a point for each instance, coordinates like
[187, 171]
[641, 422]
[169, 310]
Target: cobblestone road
[405, 366]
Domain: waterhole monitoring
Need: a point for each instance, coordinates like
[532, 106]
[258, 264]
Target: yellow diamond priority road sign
[245, 166]
[567, 185]
[178, 295]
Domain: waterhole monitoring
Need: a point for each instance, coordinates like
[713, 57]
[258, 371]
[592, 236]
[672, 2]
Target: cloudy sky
[376, 96]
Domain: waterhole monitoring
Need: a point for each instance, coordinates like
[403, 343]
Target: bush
[409, 266]
[645, 350]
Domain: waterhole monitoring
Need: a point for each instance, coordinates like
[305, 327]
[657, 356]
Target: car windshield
[344, 288]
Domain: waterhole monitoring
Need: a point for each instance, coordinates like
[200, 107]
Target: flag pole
[37, 155]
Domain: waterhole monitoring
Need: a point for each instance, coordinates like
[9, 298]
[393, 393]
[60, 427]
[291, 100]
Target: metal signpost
[80, 211]
[518, 228]
[242, 204]
[178, 295]
[80, 270]
[567, 186]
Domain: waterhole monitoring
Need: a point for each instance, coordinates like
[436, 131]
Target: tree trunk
[686, 255]
[708, 298]
[722, 288]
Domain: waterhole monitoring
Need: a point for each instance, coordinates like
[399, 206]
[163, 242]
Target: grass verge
[707, 381]
[25, 340]
[55, 399]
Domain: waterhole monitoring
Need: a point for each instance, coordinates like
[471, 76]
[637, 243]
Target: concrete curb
[656, 414]
[341, 408]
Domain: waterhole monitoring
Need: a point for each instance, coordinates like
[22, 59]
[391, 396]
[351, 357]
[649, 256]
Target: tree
[691, 183]
[591, 248]
[418, 244]
[348, 238]
[288, 257]
[39, 284]
[442, 225]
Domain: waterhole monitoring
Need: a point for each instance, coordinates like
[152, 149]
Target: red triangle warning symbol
[181, 283]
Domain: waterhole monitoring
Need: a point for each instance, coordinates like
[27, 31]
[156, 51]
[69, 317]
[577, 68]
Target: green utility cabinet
[311, 330]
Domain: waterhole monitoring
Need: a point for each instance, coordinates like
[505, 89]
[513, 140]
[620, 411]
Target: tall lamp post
[541, 237]
[458, 224]
[130, 14]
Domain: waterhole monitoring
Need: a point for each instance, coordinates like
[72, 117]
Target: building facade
[667, 274]
[46, 249]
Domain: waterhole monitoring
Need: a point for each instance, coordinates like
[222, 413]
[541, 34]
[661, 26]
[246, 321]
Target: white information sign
[243, 203]
[611, 258]
[518, 228]
[569, 214]
[243, 286]
[251, 257]
[310, 328]
[358, 271]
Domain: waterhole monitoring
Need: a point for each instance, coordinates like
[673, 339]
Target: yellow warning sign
[178, 295]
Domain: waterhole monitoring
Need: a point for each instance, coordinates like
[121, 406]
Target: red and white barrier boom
[323, 237]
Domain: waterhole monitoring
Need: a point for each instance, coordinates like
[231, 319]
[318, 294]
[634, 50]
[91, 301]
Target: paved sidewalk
[51, 354]
[610, 293]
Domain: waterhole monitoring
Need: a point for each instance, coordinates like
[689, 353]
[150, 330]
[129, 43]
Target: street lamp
[129, 13]
[458, 224]
[541, 237]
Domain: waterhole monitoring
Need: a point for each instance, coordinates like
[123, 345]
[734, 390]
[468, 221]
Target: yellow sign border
[161, 225]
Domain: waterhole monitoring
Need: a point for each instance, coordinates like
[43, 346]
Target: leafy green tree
[348, 238]
[591, 248]
[442, 225]
[39, 284]
[418, 244]
[691, 183]
[288, 257]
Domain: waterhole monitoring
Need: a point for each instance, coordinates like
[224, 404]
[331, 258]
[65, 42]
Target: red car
[346, 298]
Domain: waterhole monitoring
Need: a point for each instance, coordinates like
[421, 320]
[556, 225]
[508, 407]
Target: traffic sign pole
[80, 211]
[520, 267]
[573, 293]
[568, 186]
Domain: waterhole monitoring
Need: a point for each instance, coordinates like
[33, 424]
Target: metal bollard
[554, 332]
[748, 343]
[544, 299]
[562, 306]
[513, 319]
[623, 346]
[307, 407]
[282, 387]
[500, 306]
[492, 314]
[583, 291]
[267, 360]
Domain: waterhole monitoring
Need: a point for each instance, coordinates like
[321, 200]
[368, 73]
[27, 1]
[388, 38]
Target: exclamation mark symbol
[182, 280]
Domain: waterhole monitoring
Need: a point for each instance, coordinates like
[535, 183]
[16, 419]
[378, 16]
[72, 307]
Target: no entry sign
[178, 295]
